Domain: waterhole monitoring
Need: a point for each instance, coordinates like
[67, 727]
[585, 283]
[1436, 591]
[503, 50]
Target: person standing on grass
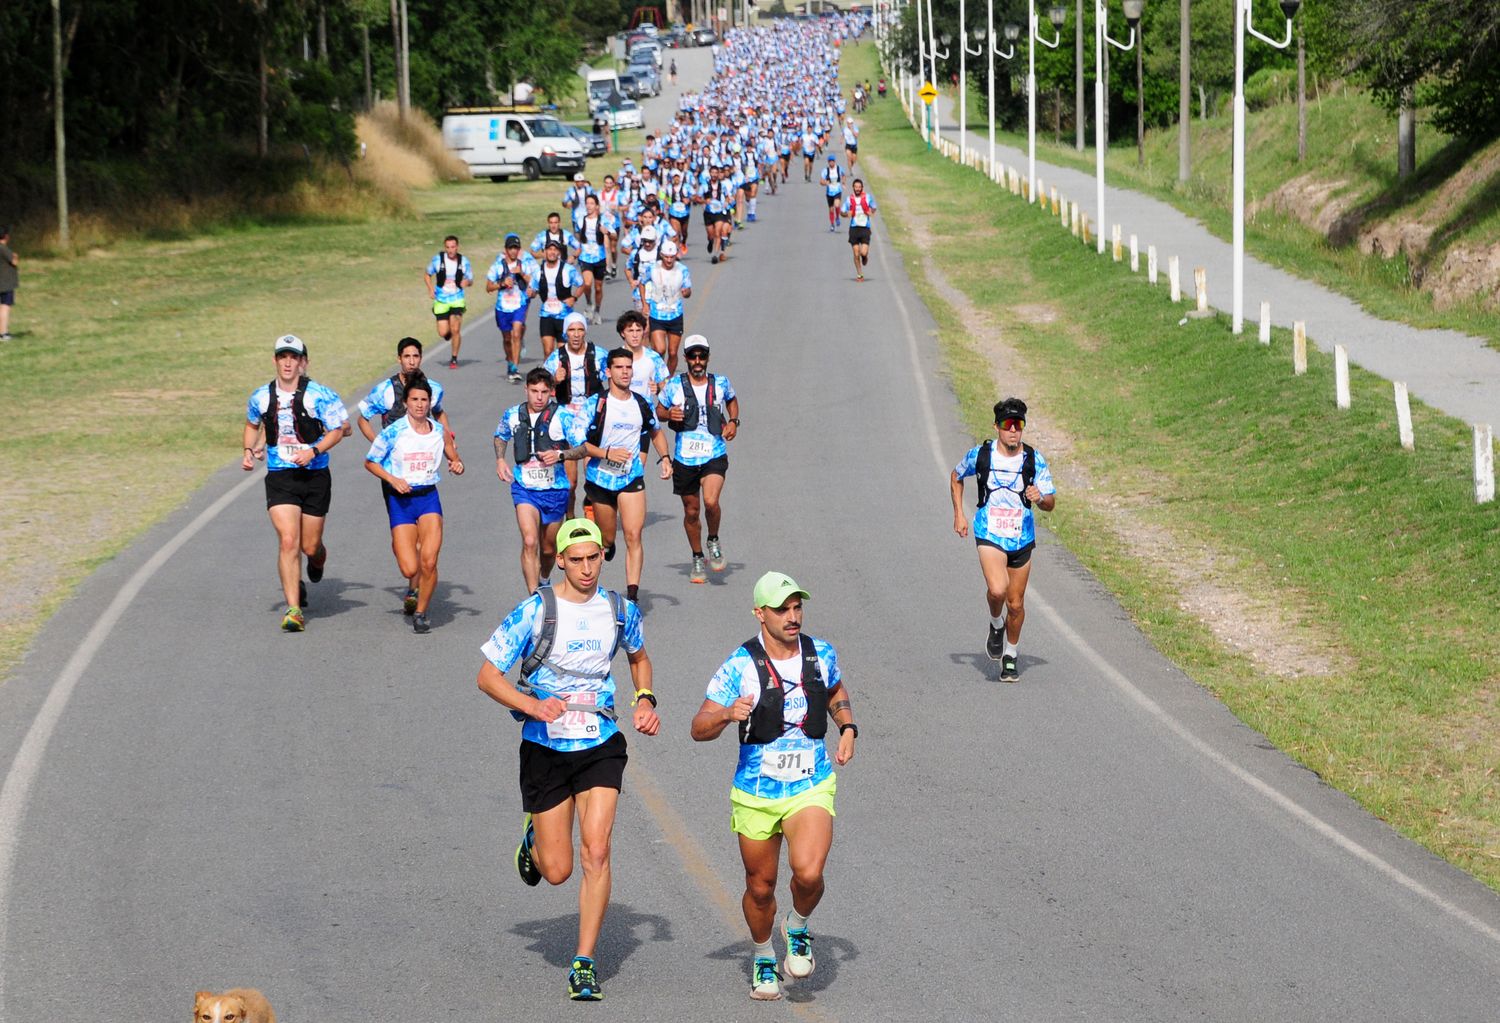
[447, 276]
[303, 420]
[10, 279]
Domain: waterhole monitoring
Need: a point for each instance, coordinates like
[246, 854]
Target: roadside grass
[149, 350]
[1380, 555]
[1351, 143]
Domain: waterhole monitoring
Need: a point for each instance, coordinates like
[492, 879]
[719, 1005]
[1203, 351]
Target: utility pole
[1080, 118]
[60, 136]
[1185, 94]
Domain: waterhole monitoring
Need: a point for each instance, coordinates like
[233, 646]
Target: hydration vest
[533, 438]
[543, 288]
[598, 228]
[541, 650]
[766, 724]
[690, 409]
[306, 426]
[591, 384]
[982, 471]
[596, 426]
[442, 274]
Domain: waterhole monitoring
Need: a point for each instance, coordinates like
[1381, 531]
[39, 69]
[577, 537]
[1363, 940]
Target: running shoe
[316, 562]
[409, 602]
[765, 982]
[799, 958]
[609, 553]
[420, 625]
[1008, 669]
[524, 864]
[453, 364]
[859, 277]
[699, 574]
[293, 621]
[514, 377]
[715, 555]
[583, 983]
[994, 644]
[715, 260]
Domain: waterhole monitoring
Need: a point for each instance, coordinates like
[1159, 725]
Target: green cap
[774, 588]
[577, 531]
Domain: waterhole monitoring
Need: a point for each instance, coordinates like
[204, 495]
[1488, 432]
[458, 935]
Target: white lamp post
[964, 53]
[1241, 26]
[1057, 15]
[1133, 9]
[932, 52]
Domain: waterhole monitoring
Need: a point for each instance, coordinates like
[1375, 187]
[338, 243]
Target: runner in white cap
[664, 285]
[703, 410]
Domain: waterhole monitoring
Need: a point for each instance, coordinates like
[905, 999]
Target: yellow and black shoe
[525, 866]
[293, 621]
[583, 983]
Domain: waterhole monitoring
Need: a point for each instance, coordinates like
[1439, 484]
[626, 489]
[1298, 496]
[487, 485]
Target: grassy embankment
[1452, 201]
[149, 348]
[1375, 559]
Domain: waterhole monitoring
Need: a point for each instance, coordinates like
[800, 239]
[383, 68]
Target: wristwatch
[850, 727]
[735, 420]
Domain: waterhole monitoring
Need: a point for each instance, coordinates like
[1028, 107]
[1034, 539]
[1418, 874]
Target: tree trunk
[405, 61]
[1185, 94]
[1301, 97]
[1202, 103]
[58, 125]
[323, 33]
[263, 114]
[1103, 113]
[1057, 116]
[1140, 107]
[1079, 114]
[364, 31]
[1406, 135]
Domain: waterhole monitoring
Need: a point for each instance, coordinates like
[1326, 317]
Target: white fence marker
[1299, 347]
[1115, 243]
[1135, 256]
[1174, 277]
[1484, 464]
[1151, 265]
[1403, 417]
[1265, 323]
[1200, 287]
[1341, 375]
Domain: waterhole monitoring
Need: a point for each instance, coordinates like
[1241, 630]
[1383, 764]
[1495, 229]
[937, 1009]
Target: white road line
[1129, 689]
[21, 777]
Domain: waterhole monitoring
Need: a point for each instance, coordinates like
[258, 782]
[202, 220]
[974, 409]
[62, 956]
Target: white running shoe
[799, 958]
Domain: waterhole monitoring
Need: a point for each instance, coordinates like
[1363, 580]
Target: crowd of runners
[574, 453]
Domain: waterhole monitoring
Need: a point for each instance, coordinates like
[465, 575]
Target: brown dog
[237, 1005]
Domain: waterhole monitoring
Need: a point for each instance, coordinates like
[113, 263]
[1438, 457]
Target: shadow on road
[988, 669]
[326, 599]
[555, 940]
[829, 950]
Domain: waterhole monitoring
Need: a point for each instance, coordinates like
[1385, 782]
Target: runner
[809, 149]
[664, 285]
[404, 457]
[609, 202]
[833, 183]
[784, 783]
[448, 274]
[650, 370]
[302, 420]
[704, 411]
[539, 488]
[567, 245]
[580, 370]
[717, 197]
[595, 230]
[859, 207]
[1012, 476]
[851, 141]
[558, 285]
[387, 399]
[574, 196]
[617, 430]
[510, 279]
[572, 751]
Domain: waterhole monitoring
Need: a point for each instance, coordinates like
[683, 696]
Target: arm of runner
[450, 451]
[253, 449]
[712, 718]
[502, 466]
[396, 483]
[960, 524]
[842, 713]
[645, 720]
[732, 425]
[493, 683]
[663, 456]
[431, 286]
[366, 429]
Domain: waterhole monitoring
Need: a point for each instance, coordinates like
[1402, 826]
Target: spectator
[9, 278]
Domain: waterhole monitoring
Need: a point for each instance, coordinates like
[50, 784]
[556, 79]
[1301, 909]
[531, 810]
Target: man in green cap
[781, 688]
[572, 751]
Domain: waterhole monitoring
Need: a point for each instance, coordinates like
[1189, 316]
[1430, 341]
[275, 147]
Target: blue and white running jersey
[577, 371]
[663, 289]
[533, 475]
[406, 454]
[809, 142]
[281, 437]
[449, 291]
[858, 208]
[697, 447]
[382, 398]
[509, 300]
[833, 178]
[567, 275]
[539, 246]
[680, 199]
[851, 136]
[648, 374]
[794, 763]
[1003, 520]
[574, 194]
[583, 641]
[591, 250]
[622, 429]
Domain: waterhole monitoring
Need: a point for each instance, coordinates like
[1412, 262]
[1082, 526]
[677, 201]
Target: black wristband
[850, 727]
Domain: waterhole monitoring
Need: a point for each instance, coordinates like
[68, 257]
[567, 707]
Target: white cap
[290, 343]
[572, 318]
[669, 248]
[578, 176]
[648, 232]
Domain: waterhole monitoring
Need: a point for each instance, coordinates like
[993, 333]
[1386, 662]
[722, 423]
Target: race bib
[1005, 522]
[286, 451]
[553, 307]
[860, 220]
[536, 476]
[787, 765]
[696, 445]
[576, 724]
[617, 468]
[510, 300]
[419, 468]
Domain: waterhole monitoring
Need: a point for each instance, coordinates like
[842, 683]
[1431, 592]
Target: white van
[497, 142]
[603, 82]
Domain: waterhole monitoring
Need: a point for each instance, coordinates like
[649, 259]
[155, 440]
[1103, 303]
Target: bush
[1270, 86]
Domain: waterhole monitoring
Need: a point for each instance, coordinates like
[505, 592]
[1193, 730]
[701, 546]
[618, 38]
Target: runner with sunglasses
[1012, 477]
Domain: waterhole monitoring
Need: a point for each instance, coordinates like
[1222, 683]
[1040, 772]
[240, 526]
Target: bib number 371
[787, 765]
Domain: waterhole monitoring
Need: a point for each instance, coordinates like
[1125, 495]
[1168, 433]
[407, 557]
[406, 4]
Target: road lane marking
[1130, 690]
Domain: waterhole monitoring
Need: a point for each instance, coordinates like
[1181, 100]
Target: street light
[1132, 9]
[1242, 25]
[932, 52]
[1057, 15]
[964, 53]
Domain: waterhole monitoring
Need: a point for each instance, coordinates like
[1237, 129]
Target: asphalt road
[193, 800]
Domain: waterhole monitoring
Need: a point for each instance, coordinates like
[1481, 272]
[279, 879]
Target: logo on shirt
[579, 646]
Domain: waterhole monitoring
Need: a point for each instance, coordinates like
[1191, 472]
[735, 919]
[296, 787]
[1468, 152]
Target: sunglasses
[1013, 424]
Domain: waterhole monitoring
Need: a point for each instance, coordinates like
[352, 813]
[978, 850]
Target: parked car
[646, 75]
[593, 143]
[675, 39]
[704, 37]
[622, 113]
[650, 46]
[630, 85]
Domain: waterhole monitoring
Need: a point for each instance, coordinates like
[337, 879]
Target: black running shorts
[1013, 559]
[548, 777]
[309, 489]
[859, 236]
[688, 479]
